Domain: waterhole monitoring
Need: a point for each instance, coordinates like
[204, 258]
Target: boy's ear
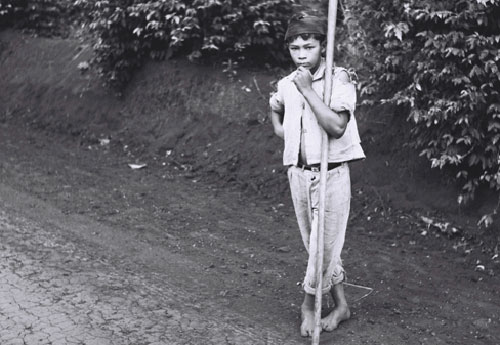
[323, 48]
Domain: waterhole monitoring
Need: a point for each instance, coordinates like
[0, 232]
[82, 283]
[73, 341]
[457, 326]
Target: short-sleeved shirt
[299, 121]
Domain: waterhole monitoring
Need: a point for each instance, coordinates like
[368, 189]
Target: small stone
[482, 323]
[285, 249]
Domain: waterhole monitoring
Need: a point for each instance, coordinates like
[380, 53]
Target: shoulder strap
[353, 77]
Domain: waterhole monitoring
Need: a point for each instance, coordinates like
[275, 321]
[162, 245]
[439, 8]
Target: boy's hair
[303, 24]
[320, 38]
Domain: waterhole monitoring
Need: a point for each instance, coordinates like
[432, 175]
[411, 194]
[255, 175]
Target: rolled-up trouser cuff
[311, 290]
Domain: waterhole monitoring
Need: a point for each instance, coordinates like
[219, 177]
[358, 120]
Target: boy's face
[306, 53]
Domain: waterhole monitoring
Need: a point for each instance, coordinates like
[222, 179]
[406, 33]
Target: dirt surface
[201, 245]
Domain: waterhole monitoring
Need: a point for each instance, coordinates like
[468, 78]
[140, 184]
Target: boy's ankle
[308, 302]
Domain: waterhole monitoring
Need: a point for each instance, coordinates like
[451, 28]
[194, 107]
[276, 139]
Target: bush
[12, 11]
[244, 31]
[45, 17]
[441, 60]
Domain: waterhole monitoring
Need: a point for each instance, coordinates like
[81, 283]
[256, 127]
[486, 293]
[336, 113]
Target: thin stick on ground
[370, 291]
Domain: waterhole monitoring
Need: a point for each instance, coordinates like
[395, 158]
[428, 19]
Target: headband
[305, 24]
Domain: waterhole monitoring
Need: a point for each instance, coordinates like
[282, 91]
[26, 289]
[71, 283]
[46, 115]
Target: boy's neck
[315, 69]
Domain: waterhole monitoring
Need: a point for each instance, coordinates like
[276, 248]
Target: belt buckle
[315, 169]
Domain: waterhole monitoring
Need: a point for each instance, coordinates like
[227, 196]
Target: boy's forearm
[277, 121]
[332, 122]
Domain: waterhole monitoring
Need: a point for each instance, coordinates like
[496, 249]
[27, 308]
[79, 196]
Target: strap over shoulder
[351, 73]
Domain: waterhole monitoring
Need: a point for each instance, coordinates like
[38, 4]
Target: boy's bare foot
[307, 316]
[331, 321]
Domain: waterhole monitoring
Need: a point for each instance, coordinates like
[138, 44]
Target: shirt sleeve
[276, 101]
[343, 92]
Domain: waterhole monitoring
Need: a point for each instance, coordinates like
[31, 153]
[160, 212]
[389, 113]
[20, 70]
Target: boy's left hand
[302, 79]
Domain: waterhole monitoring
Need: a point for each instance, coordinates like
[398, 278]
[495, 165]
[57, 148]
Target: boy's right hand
[302, 79]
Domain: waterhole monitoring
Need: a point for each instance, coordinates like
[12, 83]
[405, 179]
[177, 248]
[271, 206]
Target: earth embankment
[213, 127]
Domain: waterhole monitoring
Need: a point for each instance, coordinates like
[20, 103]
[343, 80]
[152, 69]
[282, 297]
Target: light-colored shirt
[300, 123]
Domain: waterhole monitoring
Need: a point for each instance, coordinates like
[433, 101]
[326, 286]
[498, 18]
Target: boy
[297, 113]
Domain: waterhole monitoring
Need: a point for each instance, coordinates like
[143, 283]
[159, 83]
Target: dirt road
[64, 288]
[94, 252]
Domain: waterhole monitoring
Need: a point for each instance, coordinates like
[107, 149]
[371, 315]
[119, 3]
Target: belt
[316, 167]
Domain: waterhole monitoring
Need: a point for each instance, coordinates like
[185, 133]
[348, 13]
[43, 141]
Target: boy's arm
[277, 112]
[277, 120]
[334, 123]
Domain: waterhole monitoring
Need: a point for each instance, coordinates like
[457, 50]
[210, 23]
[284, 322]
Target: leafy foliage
[45, 17]
[440, 59]
[213, 30]
[11, 11]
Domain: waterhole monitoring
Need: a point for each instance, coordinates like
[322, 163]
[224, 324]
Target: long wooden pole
[330, 39]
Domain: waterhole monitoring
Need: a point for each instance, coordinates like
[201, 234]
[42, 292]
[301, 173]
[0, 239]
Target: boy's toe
[328, 326]
[306, 330]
